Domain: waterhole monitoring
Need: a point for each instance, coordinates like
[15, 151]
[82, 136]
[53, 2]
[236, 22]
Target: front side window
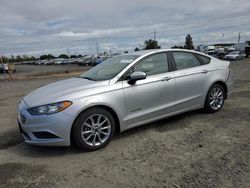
[185, 60]
[153, 64]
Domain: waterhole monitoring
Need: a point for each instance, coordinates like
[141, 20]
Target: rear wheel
[93, 129]
[215, 98]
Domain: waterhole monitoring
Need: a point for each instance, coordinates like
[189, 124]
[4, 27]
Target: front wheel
[93, 129]
[215, 98]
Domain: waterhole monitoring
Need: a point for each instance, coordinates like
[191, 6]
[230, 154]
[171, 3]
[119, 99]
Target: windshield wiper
[88, 78]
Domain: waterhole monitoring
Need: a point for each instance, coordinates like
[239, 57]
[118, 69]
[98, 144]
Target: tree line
[153, 44]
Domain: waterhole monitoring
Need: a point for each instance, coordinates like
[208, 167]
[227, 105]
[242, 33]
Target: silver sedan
[121, 93]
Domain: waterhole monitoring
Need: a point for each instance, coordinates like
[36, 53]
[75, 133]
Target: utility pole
[154, 35]
[239, 38]
[97, 48]
[1, 59]
[68, 52]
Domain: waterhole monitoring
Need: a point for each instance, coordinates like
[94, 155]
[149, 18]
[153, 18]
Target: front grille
[23, 118]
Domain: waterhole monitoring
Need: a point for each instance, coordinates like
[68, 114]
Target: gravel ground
[189, 150]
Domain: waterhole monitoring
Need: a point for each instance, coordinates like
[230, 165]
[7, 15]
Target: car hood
[57, 91]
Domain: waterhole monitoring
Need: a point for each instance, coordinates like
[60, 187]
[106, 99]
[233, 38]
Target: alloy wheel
[96, 130]
[216, 98]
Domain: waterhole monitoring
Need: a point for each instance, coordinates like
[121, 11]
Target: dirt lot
[189, 150]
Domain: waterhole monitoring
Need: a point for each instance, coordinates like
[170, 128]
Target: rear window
[203, 59]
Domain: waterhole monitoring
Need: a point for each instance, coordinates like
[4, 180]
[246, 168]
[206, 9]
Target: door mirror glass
[138, 75]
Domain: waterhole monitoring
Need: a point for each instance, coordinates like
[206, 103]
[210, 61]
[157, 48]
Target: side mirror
[138, 75]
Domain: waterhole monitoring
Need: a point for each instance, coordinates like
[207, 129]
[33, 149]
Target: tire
[214, 104]
[93, 129]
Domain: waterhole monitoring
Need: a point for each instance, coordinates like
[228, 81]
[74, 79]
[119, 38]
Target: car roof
[148, 52]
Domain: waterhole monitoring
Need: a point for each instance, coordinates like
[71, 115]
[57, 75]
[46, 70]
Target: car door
[191, 76]
[152, 97]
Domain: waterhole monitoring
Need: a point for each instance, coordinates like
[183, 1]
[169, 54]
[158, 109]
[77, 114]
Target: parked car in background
[211, 50]
[229, 50]
[60, 61]
[87, 61]
[220, 53]
[48, 62]
[247, 51]
[121, 93]
[235, 55]
[97, 61]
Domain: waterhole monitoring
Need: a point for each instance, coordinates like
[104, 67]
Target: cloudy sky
[53, 26]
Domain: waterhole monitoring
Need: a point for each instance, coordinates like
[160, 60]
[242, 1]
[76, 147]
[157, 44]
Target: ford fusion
[121, 93]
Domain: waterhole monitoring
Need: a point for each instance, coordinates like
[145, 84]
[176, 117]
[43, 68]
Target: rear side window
[203, 59]
[185, 60]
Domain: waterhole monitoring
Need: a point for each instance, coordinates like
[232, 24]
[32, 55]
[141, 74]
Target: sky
[76, 26]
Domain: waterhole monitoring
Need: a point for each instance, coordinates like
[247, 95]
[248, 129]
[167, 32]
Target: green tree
[73, 56]
[189, 42]
[151, 44]
[5, 59]
[12, 59]
[32, 58]
[19, 58]
[50, 56]
[43, 57]
[178, 47]
[63, 56]
[137, 49]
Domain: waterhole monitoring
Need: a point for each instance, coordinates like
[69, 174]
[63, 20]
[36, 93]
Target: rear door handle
[166, 79]
[204, 72]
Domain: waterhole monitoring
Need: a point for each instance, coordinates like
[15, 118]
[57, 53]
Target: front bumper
[230, 83]
[44, 130]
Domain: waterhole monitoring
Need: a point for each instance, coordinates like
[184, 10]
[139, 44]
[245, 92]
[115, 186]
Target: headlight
[49, 108]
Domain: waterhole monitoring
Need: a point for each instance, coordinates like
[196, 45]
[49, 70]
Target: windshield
[109, 68]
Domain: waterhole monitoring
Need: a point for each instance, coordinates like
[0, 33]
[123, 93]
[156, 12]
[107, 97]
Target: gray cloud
[32, 26]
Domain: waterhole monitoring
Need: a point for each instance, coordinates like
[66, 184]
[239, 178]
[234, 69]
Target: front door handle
[166, 79]
[204, 72]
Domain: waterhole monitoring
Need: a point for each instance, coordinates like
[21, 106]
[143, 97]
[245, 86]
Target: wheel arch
[109, 109]
[223, 84]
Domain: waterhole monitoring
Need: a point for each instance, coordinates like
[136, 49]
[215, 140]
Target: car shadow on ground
[172, 123]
